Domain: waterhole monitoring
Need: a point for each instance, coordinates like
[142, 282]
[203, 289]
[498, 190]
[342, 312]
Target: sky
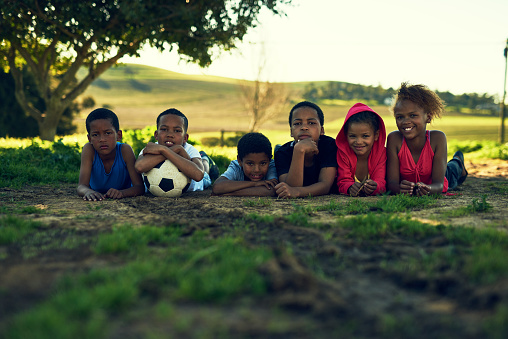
[448, 45]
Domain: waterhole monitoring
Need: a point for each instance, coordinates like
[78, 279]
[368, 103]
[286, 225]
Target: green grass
[259, 202]
[14, 229]
[386, 204]
[39, 165]
[164, 267]
[478, 254]
[478, 205]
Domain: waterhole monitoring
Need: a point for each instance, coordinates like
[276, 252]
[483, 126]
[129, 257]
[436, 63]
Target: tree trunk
[49, 123]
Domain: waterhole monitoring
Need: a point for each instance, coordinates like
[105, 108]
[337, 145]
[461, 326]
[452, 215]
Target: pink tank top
[422, 170]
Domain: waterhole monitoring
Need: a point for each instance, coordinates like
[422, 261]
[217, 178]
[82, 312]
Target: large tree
[53, 39]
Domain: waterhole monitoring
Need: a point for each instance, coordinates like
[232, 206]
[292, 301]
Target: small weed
[94, 207]
[480, 206]
[477, 206]
[260, 202]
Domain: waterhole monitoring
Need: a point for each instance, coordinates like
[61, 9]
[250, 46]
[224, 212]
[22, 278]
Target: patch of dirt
[327, 284]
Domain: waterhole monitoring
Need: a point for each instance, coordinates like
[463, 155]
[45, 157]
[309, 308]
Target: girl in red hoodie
[361, 153]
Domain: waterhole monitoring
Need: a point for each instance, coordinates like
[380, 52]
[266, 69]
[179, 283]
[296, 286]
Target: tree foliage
[55, 38]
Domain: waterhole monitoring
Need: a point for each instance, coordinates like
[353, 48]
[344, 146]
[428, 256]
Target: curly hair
[102, 113]
[422, 96]
[254, 143]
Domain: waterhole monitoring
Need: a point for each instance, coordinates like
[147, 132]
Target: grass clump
[14, 229]
[477, 206]
[259, 202]
[130, 240]
[37, 165]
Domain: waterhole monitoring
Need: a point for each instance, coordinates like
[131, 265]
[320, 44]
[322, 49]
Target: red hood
[357, 108]
[347, 157]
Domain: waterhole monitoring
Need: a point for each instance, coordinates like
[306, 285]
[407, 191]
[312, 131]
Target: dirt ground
[360, 292]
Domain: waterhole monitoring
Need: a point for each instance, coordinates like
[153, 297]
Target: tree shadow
[140, 86]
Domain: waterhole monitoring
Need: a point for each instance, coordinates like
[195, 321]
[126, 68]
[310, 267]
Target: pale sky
[448, 45]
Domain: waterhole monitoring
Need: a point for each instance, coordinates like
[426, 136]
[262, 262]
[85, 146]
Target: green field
[139, 93]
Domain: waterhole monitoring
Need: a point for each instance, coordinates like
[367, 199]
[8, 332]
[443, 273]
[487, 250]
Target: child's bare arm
[85, 173]
[137, 187]
[294, 177]
[154, 154]
[438, 138]
[151, 156]
[224, 186]
[325, 182]
[393, 184]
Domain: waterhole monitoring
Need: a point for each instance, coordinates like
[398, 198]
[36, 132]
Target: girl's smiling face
[361, 137]
[410, 118]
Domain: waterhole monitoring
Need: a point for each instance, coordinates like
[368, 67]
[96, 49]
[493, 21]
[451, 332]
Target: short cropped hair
[254, 143]
[102, 113]
[422, 96]
[366, 117]
[174, 111]
[310, 105]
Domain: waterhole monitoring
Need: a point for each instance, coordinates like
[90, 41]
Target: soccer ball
[166, 180]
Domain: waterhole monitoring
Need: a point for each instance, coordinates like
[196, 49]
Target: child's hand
[407, 187]
[269, 184]
[354, 189]
[152, 148]
[369, 187]
[285, 191]
[113, 194]
[421, 189]
[93, 196]
[307, 146]
[178, 149]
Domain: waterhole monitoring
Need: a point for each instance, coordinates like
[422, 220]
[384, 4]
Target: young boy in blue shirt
[107, 166]
[171, 136]
[253, 173]
[308, 164]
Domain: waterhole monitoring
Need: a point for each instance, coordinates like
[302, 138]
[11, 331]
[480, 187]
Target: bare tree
[263, 99]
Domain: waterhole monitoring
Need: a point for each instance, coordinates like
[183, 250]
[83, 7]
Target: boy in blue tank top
[107, 166]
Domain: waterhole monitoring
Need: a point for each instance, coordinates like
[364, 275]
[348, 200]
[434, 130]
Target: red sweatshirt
[346, 157]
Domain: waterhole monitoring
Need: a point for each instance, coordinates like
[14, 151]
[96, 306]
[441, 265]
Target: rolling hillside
[139, 93]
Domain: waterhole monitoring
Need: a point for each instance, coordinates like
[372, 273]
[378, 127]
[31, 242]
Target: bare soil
[326, 286]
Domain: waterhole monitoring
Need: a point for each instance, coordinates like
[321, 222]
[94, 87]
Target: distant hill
[139, 93]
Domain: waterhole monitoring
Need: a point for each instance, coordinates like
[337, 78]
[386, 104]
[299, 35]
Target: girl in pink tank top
[416, 157]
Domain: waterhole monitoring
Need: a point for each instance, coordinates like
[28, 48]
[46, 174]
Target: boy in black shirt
[307, 165]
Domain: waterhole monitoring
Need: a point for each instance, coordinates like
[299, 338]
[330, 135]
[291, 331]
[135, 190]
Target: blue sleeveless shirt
[117, 178]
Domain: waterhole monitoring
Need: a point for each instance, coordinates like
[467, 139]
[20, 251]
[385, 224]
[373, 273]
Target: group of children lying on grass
[356, 163]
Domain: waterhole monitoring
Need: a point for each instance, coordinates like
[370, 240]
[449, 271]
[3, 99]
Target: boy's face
[361, 138]
[103, 136]
[255, 165]
[410, 118]
[305, 124]
[170, 131]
